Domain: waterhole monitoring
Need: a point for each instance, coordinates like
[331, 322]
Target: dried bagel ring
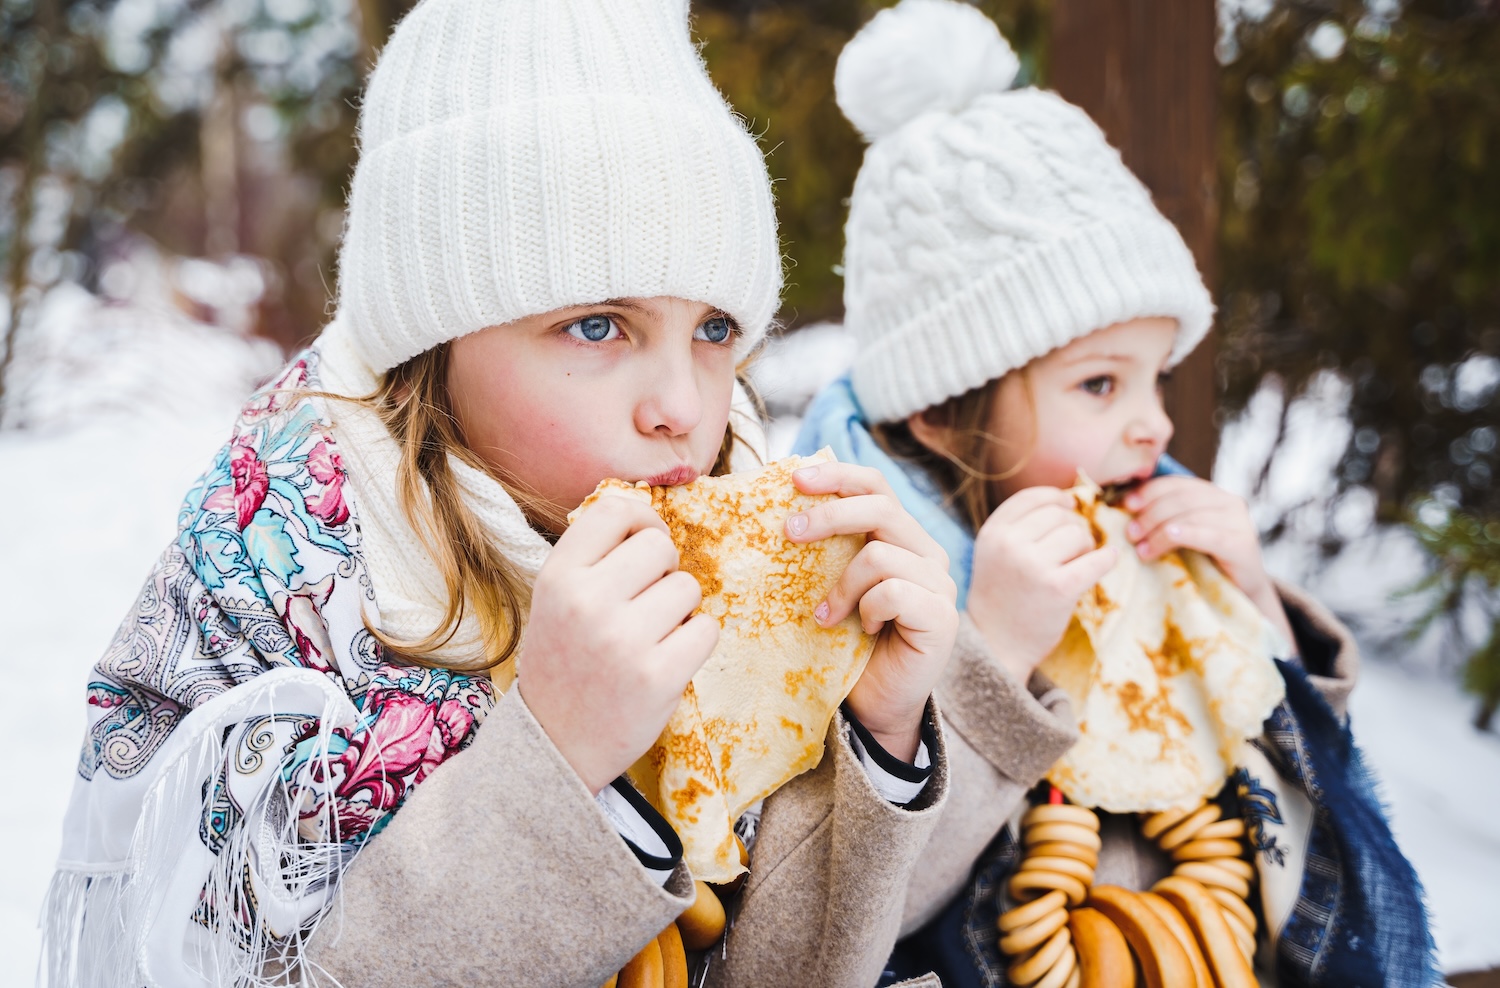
[1024, 884]
[1104, 959]
[1185, 830]
[1061, 813]
[1232, 903]
[1237, 866]
[1230, 829]
[1028, 937]
[1184, 934]
[1212, 874]
[702, 922]
[1063, 866]
[1029, 913]
[644, 970]
[1163, 962]
[1242, 935]
[1070, 832]
[674, 970]
[1220, 948]
[1159, 823]
[1200, 848]
[1059, 973]
[1024, 972]
[1065, 849]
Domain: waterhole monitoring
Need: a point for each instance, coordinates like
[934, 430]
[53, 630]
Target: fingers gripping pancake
[1169, 671]
[755, 715]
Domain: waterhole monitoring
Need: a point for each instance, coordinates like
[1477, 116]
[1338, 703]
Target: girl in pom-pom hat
[297, 767]
[1015, 299]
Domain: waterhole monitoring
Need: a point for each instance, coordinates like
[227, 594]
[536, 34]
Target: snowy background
[126, 402]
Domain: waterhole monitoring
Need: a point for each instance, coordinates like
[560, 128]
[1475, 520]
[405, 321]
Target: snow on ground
[88, 499]
[125, 406]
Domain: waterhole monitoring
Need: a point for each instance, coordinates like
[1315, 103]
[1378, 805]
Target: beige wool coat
[1002, 737]
[500, 869]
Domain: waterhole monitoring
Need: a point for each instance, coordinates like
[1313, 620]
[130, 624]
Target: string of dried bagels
[1169, 671]
[1193, 928]
[662, 963]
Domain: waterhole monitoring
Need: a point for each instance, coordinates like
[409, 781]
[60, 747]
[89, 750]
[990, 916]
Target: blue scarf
[834, 419]
[1359, 918]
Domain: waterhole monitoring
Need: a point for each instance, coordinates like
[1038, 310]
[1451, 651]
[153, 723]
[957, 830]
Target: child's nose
[672, 402]
[1151, 426]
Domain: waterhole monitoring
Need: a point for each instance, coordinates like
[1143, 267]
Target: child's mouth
[1113, 494]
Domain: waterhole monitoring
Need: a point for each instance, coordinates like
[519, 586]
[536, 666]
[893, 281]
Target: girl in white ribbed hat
[560, 244]
[1015, 299]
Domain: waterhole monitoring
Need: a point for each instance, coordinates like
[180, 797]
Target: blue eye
[594, 329]
[715, 330]
[1099, 386]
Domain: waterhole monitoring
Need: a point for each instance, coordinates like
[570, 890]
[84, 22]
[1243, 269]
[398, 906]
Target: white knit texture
[519, 156]
[919, 57]
[984, 237]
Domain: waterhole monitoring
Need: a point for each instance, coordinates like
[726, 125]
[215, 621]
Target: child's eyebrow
[1084, 357]
[629, 304]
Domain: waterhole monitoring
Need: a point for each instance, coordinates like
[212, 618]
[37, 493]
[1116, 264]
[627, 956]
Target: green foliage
[212, 128]
[774, 63]
[1465, 553]
[1361, 232]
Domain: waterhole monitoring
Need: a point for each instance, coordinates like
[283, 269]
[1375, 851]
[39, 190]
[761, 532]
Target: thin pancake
[755, 715]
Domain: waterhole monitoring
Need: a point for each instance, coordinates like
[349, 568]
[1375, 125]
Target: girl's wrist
[901, 745]
[1268, 602]
[899, 735]
[1008, 654]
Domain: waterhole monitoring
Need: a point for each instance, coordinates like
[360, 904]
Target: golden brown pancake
[755, 715]
[1169, 669]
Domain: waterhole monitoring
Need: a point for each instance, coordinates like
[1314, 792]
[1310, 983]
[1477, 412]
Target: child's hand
[1189, 513]
[1033, 558]
[900, 584]
[610, 645]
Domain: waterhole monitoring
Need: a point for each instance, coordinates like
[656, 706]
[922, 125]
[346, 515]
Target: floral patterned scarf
[246, 733]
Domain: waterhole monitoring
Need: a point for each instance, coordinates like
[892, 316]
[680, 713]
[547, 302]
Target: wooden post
[1145, 71]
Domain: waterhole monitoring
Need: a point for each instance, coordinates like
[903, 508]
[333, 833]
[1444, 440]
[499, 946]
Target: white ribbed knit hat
[518, 156]
[986, 227]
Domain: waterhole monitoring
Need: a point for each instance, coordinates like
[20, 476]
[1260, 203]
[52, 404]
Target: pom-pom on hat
[987, 227]
[519, 156]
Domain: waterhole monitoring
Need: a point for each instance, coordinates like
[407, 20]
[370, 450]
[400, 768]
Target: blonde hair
[414, 403]
[965, 468]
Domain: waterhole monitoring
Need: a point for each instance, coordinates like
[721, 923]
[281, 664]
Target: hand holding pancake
[1190, 513]
[899, 584]
[1033, 558]
[610, 643]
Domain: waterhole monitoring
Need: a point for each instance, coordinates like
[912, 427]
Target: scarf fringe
[176, 914]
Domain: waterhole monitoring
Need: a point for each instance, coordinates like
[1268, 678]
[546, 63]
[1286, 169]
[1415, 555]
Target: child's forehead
[1147, 339]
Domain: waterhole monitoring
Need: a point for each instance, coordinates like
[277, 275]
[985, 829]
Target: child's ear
[931, 428]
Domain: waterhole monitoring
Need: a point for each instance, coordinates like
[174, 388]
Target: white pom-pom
[918, 56]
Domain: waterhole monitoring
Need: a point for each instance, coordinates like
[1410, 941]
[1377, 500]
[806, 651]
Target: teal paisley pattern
[266, 572]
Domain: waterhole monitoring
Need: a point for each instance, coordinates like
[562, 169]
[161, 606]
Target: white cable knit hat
[986, 227]
[518, 156]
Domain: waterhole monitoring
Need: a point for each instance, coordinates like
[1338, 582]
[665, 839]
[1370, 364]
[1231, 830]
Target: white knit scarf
[410, 594]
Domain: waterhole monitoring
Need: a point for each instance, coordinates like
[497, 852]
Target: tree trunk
[1145, 71]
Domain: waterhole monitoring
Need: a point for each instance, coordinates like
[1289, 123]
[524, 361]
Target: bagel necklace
[1194, 927]
[663, 962]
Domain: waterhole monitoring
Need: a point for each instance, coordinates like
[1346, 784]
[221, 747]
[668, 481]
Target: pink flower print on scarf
[301, 614]
[247, 492]
[327, 467]
[406, 739]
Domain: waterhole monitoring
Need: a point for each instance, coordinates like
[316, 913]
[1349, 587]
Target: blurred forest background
[1354, 205]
